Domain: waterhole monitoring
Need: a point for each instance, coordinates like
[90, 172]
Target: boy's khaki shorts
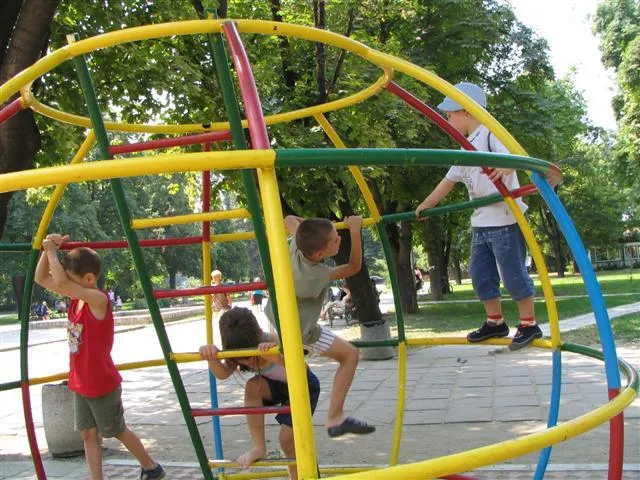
[104, 413]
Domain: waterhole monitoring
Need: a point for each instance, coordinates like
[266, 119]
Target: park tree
[24, 37]
[617, 22]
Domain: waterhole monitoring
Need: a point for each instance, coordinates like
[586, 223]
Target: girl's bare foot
[251, 456]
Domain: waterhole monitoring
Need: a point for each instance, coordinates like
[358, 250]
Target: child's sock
[527, 321]
[495, 320]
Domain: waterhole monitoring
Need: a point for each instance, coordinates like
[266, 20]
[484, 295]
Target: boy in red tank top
[93, 376]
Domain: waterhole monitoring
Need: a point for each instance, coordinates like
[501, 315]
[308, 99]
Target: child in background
[239, 329]
[93, 377]
[221, 303]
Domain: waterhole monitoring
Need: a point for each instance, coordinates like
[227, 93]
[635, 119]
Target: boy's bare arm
[436, 196]
[355, 257]
[291, 224]
[42, 276]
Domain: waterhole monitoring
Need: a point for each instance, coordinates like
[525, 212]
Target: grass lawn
[444, 319]
[8, 318]
[625, 329]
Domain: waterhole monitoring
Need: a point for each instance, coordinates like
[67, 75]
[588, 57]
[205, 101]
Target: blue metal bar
[588, 275]
[554, 410]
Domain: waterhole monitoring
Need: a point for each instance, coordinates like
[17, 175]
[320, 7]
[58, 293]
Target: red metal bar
[106, 244]
[31, 432]
[616, 441]
[206, 198]
[255, 117]
[170, 142]
[446, 127]
[10, 110]
[524, 191]
[221, 412]
[191, 292]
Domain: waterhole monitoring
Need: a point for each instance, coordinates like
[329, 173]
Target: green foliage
[618, 24]
[172, 80]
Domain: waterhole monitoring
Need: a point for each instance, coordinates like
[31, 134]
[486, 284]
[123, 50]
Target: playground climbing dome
[258, 165]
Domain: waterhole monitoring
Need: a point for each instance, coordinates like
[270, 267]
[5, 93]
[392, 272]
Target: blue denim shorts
[280, 396]
[499, 252]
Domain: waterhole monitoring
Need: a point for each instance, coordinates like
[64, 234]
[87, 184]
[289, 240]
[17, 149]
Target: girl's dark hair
[239, 329]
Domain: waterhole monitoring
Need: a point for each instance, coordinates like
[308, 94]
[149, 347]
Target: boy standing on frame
[498, 247]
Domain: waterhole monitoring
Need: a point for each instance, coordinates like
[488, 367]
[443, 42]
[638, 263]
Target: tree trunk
[321, 56]
[288, 73]
[455, 263]
[25, 36]
[364, 298]
[18, 290]
[435, 243]
[400, 240]
[172, 280]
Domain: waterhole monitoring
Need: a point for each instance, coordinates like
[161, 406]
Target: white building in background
[625, 254]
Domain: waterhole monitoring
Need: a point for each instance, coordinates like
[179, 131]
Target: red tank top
[91, 369]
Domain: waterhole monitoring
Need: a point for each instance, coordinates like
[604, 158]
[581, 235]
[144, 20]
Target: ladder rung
[221, 412]
[190, 292]
[139, 223]
[170, 142]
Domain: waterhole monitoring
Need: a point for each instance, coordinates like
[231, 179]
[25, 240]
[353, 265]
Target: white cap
[471, 90]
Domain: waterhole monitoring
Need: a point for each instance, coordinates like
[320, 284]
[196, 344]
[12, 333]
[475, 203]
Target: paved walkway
[458, 398]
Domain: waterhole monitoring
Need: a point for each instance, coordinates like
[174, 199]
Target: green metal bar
[470, 204]
[395, 287]
[625, 367]
[376, 343]
[316, 157]
[15, 247]
[136, 252]
[24, 363]
[248, 177]
[10, 385]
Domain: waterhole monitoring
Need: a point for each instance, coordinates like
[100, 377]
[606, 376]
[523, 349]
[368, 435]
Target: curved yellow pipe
[132, 167]
[59, 190]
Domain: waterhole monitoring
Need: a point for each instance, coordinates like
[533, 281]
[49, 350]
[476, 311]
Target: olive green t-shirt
[311, 281]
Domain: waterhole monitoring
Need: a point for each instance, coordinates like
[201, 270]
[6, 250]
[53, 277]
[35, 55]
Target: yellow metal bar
[121, 367]
[290, 325]
[139, 223]
[232, 237]
[499, 452]
[59, 190]
[543, 273]
[206, 281]
[195, 357]
[355, 171]
[413, 342]
[35, 71]
[253, 475]
[444, 87]
[402, 393]
[366, 222]
[284, 473]
[132, 167]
